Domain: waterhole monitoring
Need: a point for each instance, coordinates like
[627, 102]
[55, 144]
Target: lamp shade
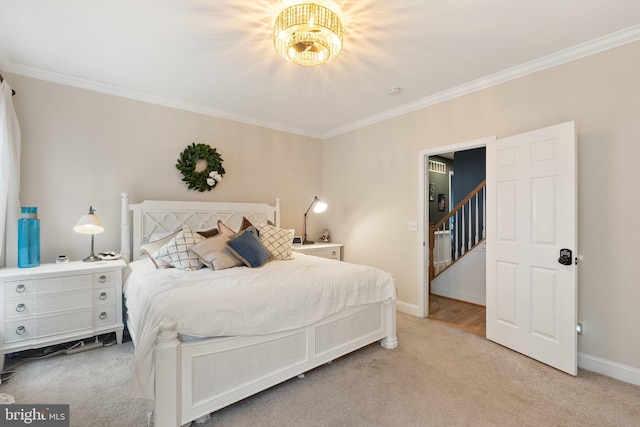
[320, 206]
[89, 224]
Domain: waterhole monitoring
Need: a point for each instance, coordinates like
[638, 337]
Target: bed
[191, 368]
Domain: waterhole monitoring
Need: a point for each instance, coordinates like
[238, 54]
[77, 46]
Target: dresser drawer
[16, 288]
[44, 304]
[59, 284]
[323, 250]
[104, 296]
[103, 279]
[49, 285]
[42, 327]
[20, 306]
[328, 253]
[19, 330]
[104, 315]
[331, 253]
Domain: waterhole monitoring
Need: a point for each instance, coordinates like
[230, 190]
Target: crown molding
[152, 99]
[601, 44]
[582, 50]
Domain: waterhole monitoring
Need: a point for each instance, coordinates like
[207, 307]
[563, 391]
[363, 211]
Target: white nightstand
[324, 250]
[56, 303]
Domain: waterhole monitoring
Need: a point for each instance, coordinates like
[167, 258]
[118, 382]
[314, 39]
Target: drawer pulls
[20, 288]
[103, 296]
[103, 315]
[20, 308]
[102, 278]
[21, 330]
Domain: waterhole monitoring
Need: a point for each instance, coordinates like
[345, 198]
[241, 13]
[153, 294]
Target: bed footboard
[168, 396]
[390, 340]
[195, 378]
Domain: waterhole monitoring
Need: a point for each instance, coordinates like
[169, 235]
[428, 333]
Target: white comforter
[241, 301]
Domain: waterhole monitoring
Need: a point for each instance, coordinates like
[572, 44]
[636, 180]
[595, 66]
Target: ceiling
[217, 57]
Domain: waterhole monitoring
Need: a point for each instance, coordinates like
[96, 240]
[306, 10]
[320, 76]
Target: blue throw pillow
[247, 246]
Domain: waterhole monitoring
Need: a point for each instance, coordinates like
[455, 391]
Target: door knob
[565, 257]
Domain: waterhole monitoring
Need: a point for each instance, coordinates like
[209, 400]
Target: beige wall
[82, 148]
[371, 179]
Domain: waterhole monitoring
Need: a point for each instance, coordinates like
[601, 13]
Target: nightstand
[56, 303]
[324, 250]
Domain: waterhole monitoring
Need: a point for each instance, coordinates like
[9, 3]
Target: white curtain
[9, 178]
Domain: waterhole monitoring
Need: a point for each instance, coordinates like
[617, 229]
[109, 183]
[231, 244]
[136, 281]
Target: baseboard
[411, 309]
[611, 369]
[460, 296]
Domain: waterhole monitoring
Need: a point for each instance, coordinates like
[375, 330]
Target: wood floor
[463, 315]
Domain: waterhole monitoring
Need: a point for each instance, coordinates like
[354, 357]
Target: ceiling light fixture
[308, 33]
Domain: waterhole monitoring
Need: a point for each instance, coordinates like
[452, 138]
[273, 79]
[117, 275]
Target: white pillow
[159, 236]
[278, 241]
[155, 243]
[215, 254]
[176, 251]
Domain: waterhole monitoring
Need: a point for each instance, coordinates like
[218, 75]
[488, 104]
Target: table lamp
[318, 206]
[89, 224]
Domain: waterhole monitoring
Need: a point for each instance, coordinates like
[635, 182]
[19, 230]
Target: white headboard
[159, 216]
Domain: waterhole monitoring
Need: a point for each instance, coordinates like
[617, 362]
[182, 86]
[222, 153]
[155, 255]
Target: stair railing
[458, 232]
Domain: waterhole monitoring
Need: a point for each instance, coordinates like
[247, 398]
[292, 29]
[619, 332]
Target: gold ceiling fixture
[308, 34]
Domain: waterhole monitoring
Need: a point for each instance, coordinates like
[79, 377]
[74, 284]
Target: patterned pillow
[214, 253]
[156, 242]
[176, 251]
[278, 241]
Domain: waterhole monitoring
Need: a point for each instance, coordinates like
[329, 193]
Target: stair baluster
[463, 236]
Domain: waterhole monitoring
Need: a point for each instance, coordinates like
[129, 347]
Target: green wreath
[206, 179]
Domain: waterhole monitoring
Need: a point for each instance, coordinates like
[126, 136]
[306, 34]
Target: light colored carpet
[438, 376]
[94, 383]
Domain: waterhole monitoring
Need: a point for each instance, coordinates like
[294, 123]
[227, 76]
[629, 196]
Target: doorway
[423, 224]
[457, 292]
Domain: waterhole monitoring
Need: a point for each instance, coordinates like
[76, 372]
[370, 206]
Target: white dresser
[324, 250]
[56, 303]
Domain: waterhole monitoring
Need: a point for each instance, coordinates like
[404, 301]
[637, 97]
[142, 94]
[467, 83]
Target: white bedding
[241, 301]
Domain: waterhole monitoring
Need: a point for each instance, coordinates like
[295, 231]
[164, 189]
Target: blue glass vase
[29, 238]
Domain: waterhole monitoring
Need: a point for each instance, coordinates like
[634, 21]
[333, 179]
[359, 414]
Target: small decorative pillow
[246, 224]
[278, 241]
[214, 253]
[159, 236]
[247, 247]
[176, 251]
[155, 244]
[209, 232]
[222, 228]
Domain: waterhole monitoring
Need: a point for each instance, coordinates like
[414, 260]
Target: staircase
[460, 231]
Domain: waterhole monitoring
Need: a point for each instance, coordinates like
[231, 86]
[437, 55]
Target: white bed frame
[195, 378]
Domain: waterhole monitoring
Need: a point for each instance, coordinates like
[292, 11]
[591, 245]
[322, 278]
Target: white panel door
[531, 296]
